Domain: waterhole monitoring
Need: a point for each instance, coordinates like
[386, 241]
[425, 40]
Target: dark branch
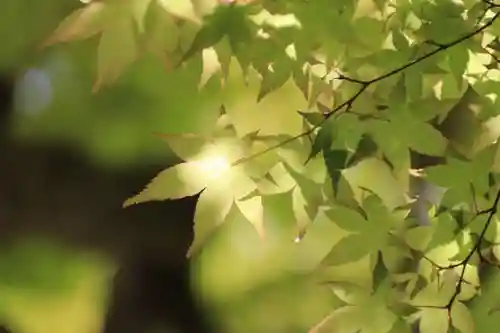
[463, 263]
[491, 4]
[491, 54]
[365, 84]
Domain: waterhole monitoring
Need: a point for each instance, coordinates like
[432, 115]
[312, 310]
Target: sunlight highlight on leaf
[325, 126]
[181, 8]
[211, 66]
[210, 213]
[173, 183]
[117, 50]
[212, 167]
[252, 209]
[81, 24]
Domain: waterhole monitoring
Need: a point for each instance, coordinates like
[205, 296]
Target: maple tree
[384, 82]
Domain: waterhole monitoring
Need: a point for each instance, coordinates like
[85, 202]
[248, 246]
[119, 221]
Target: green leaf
[404, 129]
[462, 318]
[301, 79]
[176, 182]
[427, 140]
[180, 8]
[444, 231]
[379, 215]
[420, 284]
[275, 78]
[434, 321]
[279, 217]
[211, 211]
[322, 141]
[224, 55]
[366, 148]
[403, 309]
[161, 32]
[211, 66]
[347, 219]
[184, 145]
[399, 92]
[458, 58]
[81, 24]
[309, 195]
[380, 272]
[399, 40]
[458, 173]
[209, 35]
[117, 49]
[336, 161]
[400, 326]
[348, 249]
[313, 118]
[139, 8]
[253, 210]
[416, 77]
[414, 83]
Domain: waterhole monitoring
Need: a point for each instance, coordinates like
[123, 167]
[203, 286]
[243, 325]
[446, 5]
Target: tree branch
[365, 84]
[463, 263]
[491, 4]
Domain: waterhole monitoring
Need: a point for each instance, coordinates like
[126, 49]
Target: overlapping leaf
[173, 183]
[405, 64]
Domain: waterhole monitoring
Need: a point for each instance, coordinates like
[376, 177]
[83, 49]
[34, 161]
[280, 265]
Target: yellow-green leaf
[180, 8]
[117, 49]
[176, 182]
[462, 319]
[81, 24]
[211, 211]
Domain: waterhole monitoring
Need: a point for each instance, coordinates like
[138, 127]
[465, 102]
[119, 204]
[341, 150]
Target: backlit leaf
[388, 92]
[180, 8]
[253, 210]
[81, 24]
[211, 66]
[348, 249]
[336, 161]
[434, 320]
[380, 272]
[279, 216]
[312, 118]
[139, 9]
[117, 49]
[176, 182]
[458, 58]
[462, 318]
[322, 141]
[207, 36]
[400, 326]
[275, 78]
[211, 211]
[347, 219]
[366, 148]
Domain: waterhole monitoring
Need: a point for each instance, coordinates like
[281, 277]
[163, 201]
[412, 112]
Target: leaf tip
[130, 202]
[193, 250]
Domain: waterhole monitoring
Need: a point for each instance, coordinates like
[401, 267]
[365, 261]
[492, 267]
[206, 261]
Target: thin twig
[463, 263]
[492, 4]
[491, 54]
[474, 199]
[365, 84]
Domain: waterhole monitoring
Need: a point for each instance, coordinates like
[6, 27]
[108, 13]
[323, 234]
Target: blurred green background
[49, 285]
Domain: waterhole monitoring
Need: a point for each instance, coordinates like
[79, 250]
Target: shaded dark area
[55, 192]
[4, 329]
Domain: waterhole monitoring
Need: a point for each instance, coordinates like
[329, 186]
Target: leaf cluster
[382, 81]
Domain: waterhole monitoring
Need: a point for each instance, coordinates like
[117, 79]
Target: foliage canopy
[385, 83]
